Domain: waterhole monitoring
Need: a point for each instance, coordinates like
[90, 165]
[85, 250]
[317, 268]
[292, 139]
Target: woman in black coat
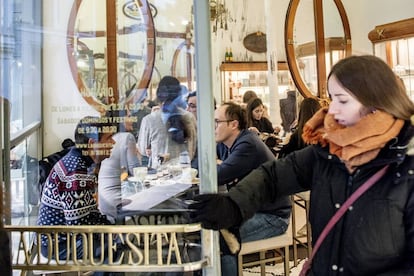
[366, 127]
[256, 121]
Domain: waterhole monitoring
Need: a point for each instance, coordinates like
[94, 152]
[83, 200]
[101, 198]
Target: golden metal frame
[143, 248]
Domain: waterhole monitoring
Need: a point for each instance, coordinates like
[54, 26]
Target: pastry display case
[335, 49]
[394, 43]
[317, 34]
[239, 77]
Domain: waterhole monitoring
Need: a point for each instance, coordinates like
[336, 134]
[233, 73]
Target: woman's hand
[254, 129]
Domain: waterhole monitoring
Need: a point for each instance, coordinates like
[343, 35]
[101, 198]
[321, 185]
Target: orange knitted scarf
[355, 145]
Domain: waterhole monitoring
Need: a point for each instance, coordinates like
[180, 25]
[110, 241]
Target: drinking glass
[140, 173]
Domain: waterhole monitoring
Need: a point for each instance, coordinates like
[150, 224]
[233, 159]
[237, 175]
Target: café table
[164, 202]
[162, 197]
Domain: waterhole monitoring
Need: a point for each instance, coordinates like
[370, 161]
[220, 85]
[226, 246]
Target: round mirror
[317, 35]
[111, 48]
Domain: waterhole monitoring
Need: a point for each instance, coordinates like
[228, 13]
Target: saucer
[134, 179]
[193, 181]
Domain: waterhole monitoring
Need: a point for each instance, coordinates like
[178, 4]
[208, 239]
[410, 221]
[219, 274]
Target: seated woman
[123, 159]
[255, 120]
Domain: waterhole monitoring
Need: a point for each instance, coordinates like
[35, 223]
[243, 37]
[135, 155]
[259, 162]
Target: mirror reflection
[313, 49]
[304, 44]
[98, 49]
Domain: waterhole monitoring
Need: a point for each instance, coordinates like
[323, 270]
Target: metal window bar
[140, 248]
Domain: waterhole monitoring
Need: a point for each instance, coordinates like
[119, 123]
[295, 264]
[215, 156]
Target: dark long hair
[251, 105]
[236, 112]
[374, 85]
[308, 107]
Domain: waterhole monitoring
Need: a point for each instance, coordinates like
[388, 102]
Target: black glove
[215, 211]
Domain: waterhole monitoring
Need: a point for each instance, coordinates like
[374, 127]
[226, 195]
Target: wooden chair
[262, 246]
[301, 200]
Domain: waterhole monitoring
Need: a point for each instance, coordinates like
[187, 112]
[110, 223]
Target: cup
[194, 173]
[175, 170]
[189, 174]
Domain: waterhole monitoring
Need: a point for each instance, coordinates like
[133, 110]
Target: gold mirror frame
[319, 43]
[111, 56]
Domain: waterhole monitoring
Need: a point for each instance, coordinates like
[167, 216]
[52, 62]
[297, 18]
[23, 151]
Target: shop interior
[62, 60]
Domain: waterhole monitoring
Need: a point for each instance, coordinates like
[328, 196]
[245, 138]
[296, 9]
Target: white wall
[365, 15]
[63, 105]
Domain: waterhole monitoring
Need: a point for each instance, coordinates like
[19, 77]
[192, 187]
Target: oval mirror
[317, 34]
[111, 51]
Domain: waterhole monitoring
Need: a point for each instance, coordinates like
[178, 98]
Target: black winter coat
[376, 236]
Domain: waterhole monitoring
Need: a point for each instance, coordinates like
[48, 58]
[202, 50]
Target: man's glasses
[217, 122]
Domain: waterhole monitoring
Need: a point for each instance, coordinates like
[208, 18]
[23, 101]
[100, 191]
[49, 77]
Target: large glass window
[21, 84]
[64, 60]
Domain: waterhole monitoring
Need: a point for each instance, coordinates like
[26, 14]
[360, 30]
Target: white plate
[151, 177]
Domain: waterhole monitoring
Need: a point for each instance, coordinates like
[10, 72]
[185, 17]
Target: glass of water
[140, 173]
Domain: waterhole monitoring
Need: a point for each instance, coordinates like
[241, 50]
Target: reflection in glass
[317, 35]
[110, 48]
[24, 169]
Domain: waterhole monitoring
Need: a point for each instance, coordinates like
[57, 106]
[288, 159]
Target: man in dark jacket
[365, 130]
[240, 151]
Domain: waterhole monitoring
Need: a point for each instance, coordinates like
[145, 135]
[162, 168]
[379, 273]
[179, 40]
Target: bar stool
[302, 201]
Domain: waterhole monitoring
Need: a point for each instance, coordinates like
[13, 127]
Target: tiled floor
[276, 270]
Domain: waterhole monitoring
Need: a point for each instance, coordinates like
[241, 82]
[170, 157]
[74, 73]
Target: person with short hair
[239, 151]
[247, 96]
[256, 121]
[170, 130]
